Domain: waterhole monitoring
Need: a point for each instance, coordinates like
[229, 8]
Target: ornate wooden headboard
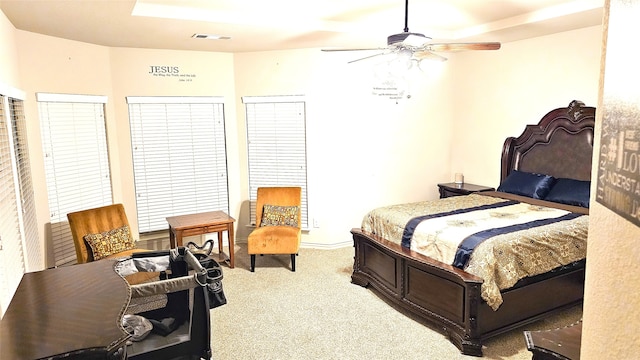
[560, 145]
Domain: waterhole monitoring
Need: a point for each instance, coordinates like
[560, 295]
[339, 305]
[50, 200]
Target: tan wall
[611, 311]
[362, 150]
[9, 59]
[357, 142]
[49, 64]
[499, 93]
[205, 74]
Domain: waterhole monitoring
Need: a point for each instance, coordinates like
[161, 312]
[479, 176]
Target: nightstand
[455, 189]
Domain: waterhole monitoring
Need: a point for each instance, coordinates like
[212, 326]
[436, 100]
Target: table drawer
[194, 231]
[217, 228]
[204, 230]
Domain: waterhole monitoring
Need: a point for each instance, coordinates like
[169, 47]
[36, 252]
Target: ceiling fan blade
[367, 57]
[428, 55]
[463, 46]
[361, 49]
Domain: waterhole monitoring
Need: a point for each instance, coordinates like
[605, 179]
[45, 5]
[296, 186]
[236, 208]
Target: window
[179, 157]
[35, 259]
[276, 141]
[76, 162]
[12, 264]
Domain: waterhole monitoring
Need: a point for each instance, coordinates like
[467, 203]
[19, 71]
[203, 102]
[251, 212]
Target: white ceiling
[261, 25]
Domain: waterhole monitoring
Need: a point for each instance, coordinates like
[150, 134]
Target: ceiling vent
[210, 37]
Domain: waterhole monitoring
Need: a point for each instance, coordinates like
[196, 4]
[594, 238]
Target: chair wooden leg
[253, 263]
[293, 262]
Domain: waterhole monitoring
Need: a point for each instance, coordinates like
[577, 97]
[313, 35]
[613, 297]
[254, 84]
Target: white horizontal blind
[35, 259]
[74, 143]
[276, 139]
[179, 157]
[11, 255]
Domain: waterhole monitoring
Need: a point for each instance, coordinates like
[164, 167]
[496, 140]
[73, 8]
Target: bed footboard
[443, 296]
[448, 299]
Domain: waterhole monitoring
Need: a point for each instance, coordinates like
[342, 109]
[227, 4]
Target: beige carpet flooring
[317, 313]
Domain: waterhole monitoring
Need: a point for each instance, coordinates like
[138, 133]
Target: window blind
[179, 157]
[11, 254]
[34, 257]
[276, 141]
[76, 162]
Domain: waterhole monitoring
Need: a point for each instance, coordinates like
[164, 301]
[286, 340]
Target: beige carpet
[316, 313]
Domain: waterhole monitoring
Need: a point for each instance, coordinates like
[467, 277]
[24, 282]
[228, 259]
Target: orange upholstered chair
[278, 228]
[104, 233]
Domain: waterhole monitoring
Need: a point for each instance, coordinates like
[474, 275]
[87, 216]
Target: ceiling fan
[415, 46]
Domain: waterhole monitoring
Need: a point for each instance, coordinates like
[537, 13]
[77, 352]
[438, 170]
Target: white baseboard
[331, 246]
[160, 241]
[312, 245]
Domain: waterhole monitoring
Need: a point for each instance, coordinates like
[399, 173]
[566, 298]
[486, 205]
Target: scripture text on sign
[619, 164]
[170, 72]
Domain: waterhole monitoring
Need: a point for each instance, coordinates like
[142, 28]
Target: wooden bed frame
[448, 298]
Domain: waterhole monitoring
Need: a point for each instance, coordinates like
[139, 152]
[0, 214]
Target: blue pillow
[570, 192]
[535, 186]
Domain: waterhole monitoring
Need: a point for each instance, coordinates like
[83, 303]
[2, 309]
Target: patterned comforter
[501, 258]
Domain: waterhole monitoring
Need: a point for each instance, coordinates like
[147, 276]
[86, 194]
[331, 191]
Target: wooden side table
[457, 189]
[203, 223]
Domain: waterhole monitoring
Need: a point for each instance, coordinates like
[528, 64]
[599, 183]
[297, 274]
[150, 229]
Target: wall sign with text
[619, 163]
[170, 72]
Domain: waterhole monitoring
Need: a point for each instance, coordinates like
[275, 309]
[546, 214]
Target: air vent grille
[210, 37]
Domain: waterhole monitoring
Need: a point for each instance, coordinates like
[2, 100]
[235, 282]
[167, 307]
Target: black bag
[214, 283]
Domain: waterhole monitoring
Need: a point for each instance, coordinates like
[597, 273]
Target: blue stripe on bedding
[410, 228]
[470, 242]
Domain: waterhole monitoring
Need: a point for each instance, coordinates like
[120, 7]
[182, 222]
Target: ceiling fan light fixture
[401, 63]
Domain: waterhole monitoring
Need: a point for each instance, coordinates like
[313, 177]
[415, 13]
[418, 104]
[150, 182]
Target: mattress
[498, 237]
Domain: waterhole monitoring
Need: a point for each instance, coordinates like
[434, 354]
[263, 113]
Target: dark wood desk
[202, 223]
[556, 344]
[73, 311]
